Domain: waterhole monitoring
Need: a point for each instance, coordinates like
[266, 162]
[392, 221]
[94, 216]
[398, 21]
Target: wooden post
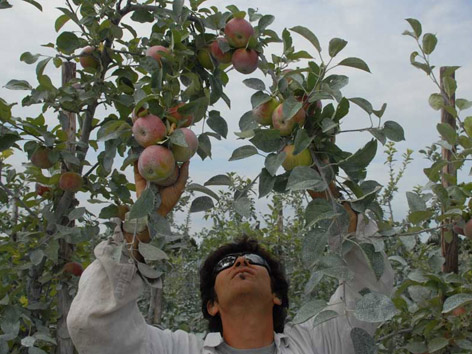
[64, 300]
[450, 250]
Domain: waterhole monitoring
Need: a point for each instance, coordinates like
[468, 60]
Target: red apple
[284, 125]
[245, 60]
[181, 120]
[70, 181]
[238, 32]
[156, 163]
[468, 229]
[87, 59]
[73, 268]
[40, 157]
[301, 159]
[122, 210]
[156, 51]
[217, 53]
[185, 153]
[41, 190]
[149, 130]
[263, 112]
[169, 181]
[459, 311]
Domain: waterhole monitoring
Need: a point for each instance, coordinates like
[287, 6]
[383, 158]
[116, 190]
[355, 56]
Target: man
[244, 296]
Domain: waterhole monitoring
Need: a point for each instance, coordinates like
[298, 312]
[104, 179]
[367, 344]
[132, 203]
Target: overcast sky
[373, 30]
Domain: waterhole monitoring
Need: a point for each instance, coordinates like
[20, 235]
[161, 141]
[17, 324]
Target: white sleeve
[334, 336]
[104, 317]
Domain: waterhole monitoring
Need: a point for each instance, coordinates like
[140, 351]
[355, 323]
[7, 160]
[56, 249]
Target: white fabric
[104, 317]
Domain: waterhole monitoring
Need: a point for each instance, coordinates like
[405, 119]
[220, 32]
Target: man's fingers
[183, 175]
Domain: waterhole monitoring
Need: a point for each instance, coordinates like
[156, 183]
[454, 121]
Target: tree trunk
[449, 245]
[64, 300]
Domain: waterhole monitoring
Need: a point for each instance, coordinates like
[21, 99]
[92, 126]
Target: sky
[373, 29]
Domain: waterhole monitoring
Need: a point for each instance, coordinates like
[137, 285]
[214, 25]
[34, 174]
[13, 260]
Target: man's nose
[240, 261]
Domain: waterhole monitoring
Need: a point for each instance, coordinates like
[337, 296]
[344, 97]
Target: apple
[245, 60]
[468, 229]
[217, 53]
[169, 181]
[156, 51]
[204, 58]
[73, 268]
[122, 210]
[185, 153]
[301, 159]
[41, 190]
[141, 112]
[149, 130]
[459, 311]
[176, 117]
[263, 112]
[40, 157]
[156, 163]
[238, 32]
[87, 59]
[282, 124]
[70, 181]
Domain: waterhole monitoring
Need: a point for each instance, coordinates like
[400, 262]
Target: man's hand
[169, 198]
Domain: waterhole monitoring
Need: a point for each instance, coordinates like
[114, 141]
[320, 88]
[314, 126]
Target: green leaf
[308, 310]
[415, 202]
[113, 129]
[317, 210]
[201, 204]
[362, 341]
[36, 256]
[429, 43]
[310, 36]
[274, 161]
[450, 86]
[199, 188]
[314, 245]
[242, 206]
[393, 131]
[61, 21]
[108, 212]
[177, 6]
[417, 217]
[267, 140]
[218, 180]
[463, 104]
[264, 22]
[67, 42]
[148, 271]
[18, 85]
[243, 152]
[447, 132]
[416, 347]
[302, 141]
[255, 84]
[290, 107]
[8, 140]
[362, 103]
[151, 253]
[335, 46]
[468, 126]
[259, 98]
[355, 63]
[41, 66]
[35, 350]
[374, 308]
[29, 58]
[324, 316]
[37, 5]
[143, 206]
[436, 101]
[455, 301]
[437, 343]
[77, 213]
[304, 177]
[204, 146]
[356, 164]
[5, 111]
[266, 183]
[416, 25]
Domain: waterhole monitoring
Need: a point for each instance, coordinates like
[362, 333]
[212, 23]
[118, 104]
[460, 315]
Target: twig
[6, 190]
[406, 330]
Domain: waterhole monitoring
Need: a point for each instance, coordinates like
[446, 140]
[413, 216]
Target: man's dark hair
[279, 283]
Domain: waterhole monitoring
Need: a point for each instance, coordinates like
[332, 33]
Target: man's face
[242, 282]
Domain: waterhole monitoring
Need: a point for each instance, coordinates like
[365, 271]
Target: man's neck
[248, 327]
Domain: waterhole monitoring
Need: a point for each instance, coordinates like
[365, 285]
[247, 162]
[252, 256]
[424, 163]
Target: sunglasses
[230, 259]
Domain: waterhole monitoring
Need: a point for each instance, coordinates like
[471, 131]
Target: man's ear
[212, 307]
[276, 300]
